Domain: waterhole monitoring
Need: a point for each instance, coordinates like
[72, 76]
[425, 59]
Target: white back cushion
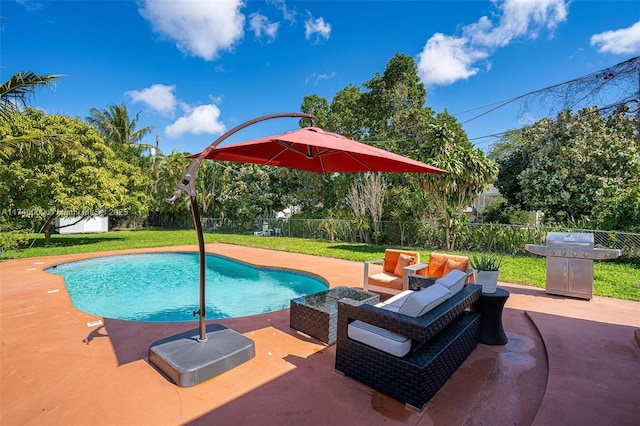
[454, 281]
[394, 303]
[420, 302]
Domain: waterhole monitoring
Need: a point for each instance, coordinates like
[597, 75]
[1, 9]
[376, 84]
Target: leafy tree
[294, 188]
[499, 211]
[345, 115]
[81, 178]
[245, 194]
[393, 104]
[621, 211]
[572, 167]
[168, 170]
[391, 114]
[121, 133]
[319, 107]
[512, 157]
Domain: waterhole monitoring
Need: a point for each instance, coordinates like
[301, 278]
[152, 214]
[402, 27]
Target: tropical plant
[486, 262]
[14, 94]
[16, 91]
[116, 126]
[469, 173]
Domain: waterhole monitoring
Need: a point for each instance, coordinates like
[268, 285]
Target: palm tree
[115, 125]
[16, 91]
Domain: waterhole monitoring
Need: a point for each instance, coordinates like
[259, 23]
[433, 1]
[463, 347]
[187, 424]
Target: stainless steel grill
[570, 259]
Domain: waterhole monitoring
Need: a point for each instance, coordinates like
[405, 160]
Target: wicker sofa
[441, 340]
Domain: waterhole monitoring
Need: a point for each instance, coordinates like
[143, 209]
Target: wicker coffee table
[317, 314]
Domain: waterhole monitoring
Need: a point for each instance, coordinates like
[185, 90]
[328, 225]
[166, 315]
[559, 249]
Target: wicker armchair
[441, 340]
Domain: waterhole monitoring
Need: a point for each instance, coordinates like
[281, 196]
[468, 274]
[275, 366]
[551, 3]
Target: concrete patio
[567, 362]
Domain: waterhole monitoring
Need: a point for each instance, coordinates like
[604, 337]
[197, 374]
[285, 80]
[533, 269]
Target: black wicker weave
[442, 339]
[317, 314]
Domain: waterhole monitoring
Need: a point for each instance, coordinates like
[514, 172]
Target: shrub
[11, 241]
[499, 211]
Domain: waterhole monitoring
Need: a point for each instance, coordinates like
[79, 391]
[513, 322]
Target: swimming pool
[164, 287]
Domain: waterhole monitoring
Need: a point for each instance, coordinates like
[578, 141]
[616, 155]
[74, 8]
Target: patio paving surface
[567, 362]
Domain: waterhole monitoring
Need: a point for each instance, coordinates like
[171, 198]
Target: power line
[575, 91]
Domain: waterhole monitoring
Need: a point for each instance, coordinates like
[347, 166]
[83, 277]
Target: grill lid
[564, 239]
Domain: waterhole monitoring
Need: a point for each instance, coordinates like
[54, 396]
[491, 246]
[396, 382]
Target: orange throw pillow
[404, 260]
[436, 265]
[452, 264]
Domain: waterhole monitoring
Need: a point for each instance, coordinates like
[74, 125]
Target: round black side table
[490, 307]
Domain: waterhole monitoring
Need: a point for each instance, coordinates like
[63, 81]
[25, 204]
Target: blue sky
[195, 69]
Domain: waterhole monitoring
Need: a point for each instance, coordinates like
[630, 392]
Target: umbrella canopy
[316, 150]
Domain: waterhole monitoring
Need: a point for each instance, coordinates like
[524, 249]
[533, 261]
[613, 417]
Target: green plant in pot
[486, 268]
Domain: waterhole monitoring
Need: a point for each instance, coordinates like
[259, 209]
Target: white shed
[86, 226]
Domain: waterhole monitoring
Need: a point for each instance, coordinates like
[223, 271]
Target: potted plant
[485, 270]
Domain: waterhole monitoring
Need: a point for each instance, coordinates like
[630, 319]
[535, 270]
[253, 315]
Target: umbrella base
[187, 361]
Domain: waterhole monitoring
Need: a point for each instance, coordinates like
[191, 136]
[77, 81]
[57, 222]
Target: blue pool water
[165, 287]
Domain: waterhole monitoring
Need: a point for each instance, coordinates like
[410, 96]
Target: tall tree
[391, 114]
[116, 126]
[392, 103]
[84, 178]
[245, 194]
[572, 167]
[470, 172]
[121, 133]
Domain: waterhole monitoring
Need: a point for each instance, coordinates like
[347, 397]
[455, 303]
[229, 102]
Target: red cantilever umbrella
[316, 150]
[309, 149]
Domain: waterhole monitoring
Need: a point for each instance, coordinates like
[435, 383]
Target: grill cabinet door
[570, 277]
[557, 275]
[581, 277]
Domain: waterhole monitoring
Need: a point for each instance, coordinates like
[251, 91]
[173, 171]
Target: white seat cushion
[379, 338]
[420, 302]
[454, 281]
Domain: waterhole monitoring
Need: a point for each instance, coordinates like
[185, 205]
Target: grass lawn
[611, 278]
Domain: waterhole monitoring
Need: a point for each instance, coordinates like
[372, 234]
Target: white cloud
[199, 28]
[318, 28]
[447, 59]
[622, 41]
[203, 119]
[287, 15]
[31, 6]
[260, 25]
[520, 18]
[317, 78]
[158, 97]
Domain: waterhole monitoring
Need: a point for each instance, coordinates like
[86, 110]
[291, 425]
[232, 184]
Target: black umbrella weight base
[187, 361]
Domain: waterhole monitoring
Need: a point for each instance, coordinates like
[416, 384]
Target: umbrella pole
[187, 184]
[203, 268]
